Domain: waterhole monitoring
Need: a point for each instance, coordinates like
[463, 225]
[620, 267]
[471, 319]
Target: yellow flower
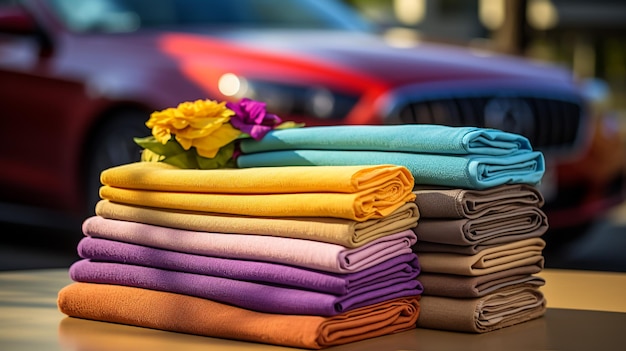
[202, 124]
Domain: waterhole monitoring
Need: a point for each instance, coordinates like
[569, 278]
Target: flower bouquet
[204, 134]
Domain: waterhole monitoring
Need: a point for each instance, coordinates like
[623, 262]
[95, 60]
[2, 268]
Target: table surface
[586, 311]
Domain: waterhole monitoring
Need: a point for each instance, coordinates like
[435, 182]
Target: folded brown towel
[425, 246]
[463, 203]
[517, 224]
[194, 315]
[494, 259]
[461, 286]
[503, 308]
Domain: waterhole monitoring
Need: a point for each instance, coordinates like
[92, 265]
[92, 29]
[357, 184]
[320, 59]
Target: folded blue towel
[467, 171]
[418, 138]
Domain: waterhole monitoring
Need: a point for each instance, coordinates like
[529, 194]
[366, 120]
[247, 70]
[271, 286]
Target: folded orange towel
[193, 315]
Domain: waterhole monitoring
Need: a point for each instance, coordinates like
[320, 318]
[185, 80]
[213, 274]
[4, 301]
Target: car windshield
[131, 15]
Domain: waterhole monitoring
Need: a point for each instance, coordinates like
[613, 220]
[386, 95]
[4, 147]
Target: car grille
[550, 124]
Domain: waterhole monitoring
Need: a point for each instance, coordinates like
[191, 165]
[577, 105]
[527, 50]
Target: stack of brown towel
[479, 251]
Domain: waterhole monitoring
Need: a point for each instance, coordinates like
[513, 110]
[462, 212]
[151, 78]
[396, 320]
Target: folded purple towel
[253, 296]
[403, 267]
[296, 252]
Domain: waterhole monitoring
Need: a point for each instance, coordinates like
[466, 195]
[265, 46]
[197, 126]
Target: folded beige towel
[498, 258]
[503, 308]
[344, 232]
[425, 246]
[461, 286]
[464, 203]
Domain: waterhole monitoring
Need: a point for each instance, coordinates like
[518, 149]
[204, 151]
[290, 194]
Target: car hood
[360, 54]
[396, 63]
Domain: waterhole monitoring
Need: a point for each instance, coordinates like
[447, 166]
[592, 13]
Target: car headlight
[290, 99]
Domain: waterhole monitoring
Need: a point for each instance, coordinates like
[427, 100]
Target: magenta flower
[251, 118]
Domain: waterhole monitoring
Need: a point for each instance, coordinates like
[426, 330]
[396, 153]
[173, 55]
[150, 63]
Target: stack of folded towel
[458, 157]
[479, 251]
[296, 256]
[479, 234]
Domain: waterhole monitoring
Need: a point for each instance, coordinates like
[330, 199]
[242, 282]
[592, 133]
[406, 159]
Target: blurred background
[586, 38]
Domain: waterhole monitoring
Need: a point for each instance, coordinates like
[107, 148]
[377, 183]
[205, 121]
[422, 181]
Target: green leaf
[223, 158]
[188, 159]
[185, 159]
[171, 148]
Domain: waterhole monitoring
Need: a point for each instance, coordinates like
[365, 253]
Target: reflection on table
[586, 311]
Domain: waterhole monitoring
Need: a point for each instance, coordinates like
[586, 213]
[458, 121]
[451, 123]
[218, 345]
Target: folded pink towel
[297, 252]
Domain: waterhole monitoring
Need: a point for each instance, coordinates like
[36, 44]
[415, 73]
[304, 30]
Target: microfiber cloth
[159, 176]
[249, 295]
[418, 138]
[455, 171]
[398, 269]
[338, 231]
[459, 286]
[516, 224]
[503, 308]
[361, 206]
[193, 315]
[468, 250]
[494, 259]
[467, 203]
[297, 252]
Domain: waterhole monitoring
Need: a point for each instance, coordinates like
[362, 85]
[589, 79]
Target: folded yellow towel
[159, 176]
[344, 232]
[352, 192]
[355, 206]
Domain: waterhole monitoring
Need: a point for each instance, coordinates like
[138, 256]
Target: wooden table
[586, 311]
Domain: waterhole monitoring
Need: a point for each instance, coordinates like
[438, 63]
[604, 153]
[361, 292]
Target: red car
[78, 80]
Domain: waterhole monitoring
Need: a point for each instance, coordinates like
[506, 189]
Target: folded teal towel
[418, 138]
[467, 171]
